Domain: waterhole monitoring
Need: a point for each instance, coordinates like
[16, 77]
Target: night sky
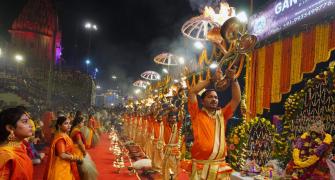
[131, 32]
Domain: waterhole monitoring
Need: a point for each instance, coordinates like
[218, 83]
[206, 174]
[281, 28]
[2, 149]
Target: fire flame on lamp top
[224, 14]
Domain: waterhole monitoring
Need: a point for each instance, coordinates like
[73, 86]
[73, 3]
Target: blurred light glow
[96, 70]
[198, 45]
[176, 81]
[242, 17]
[98, 87]
[213, 65]
[165, 71]
[88, 25]
[95, 27]
[137, 91]
[181, 60]
[114, 77]
[18, 58]
[88, 62]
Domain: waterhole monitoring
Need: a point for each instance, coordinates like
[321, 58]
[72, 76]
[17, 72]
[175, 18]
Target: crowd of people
[64, 138]
[157, 124]
[67, 87]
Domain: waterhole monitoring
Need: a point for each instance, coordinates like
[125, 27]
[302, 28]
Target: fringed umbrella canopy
[167, 59]
[151, 75]
[197, 27]
[141, 83]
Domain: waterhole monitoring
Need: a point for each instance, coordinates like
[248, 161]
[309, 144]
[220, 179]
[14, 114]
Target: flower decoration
[256, 140]
[310, 104]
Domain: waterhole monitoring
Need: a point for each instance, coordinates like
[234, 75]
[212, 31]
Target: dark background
[131, 32]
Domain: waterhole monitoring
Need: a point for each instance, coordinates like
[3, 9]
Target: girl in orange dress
[14, 160]
[62, 163]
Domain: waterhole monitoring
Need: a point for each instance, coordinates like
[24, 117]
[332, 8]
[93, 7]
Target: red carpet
[103, 159]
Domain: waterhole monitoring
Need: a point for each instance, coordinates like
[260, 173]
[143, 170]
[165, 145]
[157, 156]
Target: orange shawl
[16, 159]
[58, 168]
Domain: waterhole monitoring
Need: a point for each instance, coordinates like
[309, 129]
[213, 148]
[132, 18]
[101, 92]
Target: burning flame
[224, 14]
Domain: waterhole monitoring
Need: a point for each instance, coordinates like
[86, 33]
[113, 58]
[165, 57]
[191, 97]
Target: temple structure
[36, 31]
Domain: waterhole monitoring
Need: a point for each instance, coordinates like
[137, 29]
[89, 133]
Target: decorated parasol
[141, 83]
[167, 59]
[151, 75]
[197, 27]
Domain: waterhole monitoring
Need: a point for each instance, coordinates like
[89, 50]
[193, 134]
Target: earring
[11, 137]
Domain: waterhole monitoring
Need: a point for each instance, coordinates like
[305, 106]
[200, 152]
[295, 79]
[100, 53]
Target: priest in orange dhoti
[209, 125]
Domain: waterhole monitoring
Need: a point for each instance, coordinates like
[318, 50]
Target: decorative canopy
[276, 67]
[151, 75]
[141, 83]
[197, 27]
[167, 59]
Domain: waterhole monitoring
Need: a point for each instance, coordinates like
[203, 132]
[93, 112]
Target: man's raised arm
[193, 91]
[235, 89]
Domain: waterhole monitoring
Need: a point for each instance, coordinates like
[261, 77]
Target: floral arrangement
[308, 105]
[317, 89]
[315, 149]
[308, 155]
[256, 140]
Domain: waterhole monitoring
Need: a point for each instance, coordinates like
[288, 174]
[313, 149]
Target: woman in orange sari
[77, 137]
[62, 161]
[14, 160]
[92, 137]
[87, 169]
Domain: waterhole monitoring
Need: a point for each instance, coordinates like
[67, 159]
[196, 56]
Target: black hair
[77, 121]
[60, 120]
[78, 113]
[9, 116]
[204, 94]
[23, 108]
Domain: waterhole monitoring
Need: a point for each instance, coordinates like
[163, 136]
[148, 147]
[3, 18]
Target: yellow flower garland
[311, 159]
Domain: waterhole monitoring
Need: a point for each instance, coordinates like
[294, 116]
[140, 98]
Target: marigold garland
[310, 159]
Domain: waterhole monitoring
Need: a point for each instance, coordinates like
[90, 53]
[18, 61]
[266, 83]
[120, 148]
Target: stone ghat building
[39, 81]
